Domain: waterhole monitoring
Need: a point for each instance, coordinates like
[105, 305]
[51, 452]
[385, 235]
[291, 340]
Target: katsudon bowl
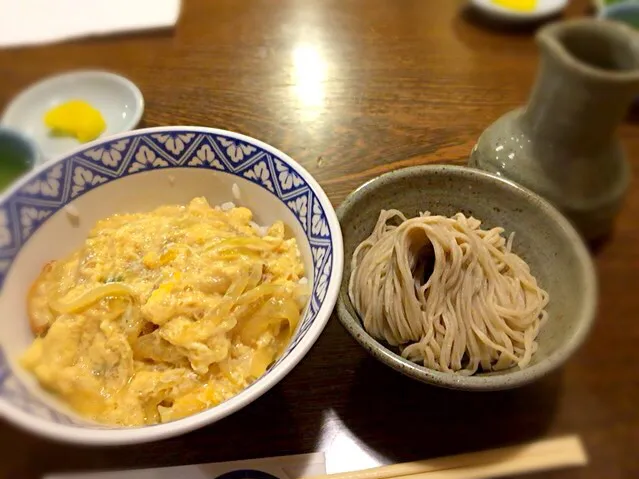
[49, 212]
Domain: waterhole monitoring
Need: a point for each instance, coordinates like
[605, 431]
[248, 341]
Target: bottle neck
[588, 77]
[573, 110]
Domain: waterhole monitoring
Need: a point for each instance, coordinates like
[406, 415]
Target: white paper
[34, 22]
[285, 467]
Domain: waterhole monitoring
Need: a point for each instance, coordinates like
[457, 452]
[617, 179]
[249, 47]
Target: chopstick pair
[537, 456]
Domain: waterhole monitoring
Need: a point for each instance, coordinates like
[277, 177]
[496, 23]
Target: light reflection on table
[309, 74]
[344, 451]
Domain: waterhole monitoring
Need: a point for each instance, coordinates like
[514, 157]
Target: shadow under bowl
[543, 238]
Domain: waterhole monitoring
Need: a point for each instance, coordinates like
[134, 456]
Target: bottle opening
[601, 48]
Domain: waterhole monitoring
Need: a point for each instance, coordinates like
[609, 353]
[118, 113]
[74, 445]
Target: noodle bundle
[449, 294]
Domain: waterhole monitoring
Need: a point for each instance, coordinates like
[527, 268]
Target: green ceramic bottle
[563, 144]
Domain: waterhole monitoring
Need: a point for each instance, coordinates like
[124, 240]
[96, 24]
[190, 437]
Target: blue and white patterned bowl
[49, 212]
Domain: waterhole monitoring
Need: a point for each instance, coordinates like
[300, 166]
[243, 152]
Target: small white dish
[119, 101]
[543, 9]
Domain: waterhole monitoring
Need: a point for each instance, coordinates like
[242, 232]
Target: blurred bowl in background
[624, 12]
[511, 10]
[18, 155]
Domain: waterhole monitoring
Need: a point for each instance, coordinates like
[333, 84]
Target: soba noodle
[449, 294]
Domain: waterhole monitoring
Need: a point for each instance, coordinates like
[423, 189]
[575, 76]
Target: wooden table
[352, 89]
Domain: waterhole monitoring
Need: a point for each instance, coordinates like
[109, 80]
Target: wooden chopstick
[537, 456]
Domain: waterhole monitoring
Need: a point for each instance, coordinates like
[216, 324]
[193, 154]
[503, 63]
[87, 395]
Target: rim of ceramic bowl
[515, 377]
[138, 110]
[124, 436]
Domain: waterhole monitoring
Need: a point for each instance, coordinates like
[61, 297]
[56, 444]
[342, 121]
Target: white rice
[73, 215]
[260, 230]
[229, 205]
[236, 191]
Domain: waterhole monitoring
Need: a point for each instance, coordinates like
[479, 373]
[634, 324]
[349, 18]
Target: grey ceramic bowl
[543, 237]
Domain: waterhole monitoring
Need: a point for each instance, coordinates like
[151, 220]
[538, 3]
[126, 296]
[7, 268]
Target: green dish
[622, 11]
[17, 156]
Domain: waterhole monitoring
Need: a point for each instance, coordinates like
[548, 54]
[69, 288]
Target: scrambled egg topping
[163, 314]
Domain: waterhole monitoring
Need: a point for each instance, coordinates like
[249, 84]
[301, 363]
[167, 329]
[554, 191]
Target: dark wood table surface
[352, 89]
